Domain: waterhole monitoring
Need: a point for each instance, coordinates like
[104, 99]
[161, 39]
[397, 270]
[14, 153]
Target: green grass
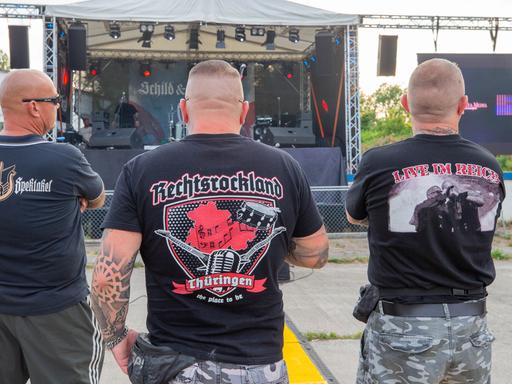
[498, 254]
[351, 260]
[314, 336]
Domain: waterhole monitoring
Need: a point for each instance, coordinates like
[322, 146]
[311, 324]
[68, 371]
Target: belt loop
[446, 311]
[381, 308]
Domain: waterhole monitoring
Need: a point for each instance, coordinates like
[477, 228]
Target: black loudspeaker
[77, 47]
[324, 42]
[18, 46]
[386, 64]
[289, 137]
[116, 138]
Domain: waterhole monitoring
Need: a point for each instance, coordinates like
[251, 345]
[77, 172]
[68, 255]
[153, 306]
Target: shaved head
[435, 89]
[32, 117]
[215, 95]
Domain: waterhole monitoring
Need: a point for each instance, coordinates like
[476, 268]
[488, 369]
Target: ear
[33, 109]
[245, 111]
[405, 103]
[184, 111]
[461, 106]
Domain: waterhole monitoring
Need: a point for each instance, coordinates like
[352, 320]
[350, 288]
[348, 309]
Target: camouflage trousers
[209, 372]
[425, 350]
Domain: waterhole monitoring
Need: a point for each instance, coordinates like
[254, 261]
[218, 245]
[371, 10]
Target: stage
[322, 165]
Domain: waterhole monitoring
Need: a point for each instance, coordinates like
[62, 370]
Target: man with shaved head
[214, 216]
[430, 260]
[47, 329]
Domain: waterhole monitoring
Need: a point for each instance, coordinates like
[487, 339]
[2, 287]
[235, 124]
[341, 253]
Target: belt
[438, 291]
[470, 308]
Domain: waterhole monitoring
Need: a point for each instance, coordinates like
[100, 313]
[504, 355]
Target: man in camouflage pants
[428, 323]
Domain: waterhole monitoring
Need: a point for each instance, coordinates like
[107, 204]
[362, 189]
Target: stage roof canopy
[232, 12]
[207, 15]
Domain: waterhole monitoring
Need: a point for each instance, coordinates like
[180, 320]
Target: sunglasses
[55, 100]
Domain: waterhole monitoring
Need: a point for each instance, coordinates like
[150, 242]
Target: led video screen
[488, 117]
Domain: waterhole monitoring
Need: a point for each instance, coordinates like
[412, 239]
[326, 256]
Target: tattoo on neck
[437, 131]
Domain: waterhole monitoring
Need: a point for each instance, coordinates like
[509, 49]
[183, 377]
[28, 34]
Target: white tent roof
[208, 16]
[228, 12]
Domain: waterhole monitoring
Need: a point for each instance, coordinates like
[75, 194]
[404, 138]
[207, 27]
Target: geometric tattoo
[111, 289]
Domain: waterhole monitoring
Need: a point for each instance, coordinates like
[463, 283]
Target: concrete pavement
[322, 301]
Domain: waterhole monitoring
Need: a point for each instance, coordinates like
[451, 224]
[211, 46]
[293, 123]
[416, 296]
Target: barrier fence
[330, 201]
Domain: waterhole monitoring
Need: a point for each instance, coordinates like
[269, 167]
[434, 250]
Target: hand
[123, 350]
[84, 203]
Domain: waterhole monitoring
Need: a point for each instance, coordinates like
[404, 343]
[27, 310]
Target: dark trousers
[63, 347]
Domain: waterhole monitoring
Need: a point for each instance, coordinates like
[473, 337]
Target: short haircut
[435, 88]
[214, 68]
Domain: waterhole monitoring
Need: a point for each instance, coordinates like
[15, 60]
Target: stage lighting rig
[114, 30]
[93, 70]
[169, 32]
[221, 36]
[193, 42]
[293, 35]
[257, 31]
[270, 41]
[240, 33]
[147, 30]
[145, 70]
[288, 71]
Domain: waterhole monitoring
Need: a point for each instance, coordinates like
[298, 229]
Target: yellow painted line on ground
[300, 367]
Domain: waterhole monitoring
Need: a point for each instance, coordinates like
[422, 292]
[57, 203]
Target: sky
[410, 42]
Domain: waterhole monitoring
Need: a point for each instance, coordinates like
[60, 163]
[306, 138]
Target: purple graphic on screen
[503, 105]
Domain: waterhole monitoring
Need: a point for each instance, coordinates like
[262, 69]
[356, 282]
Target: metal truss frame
[436, 22]
[352, 100]
[50, 58]
[20, 11]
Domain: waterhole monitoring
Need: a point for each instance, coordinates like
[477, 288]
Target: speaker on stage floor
[18, 46]
[122, 138]
[77, 47]
[386, 65]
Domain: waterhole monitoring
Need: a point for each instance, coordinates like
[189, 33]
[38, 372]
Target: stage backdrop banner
[156, 98]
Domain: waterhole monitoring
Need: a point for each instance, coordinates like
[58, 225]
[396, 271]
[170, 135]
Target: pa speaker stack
[18, 46]
[77, 47]
[122, 138]
[386, 64]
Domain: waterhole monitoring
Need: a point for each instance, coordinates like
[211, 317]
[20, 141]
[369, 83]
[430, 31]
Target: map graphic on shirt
[432, 197]
[219, 241]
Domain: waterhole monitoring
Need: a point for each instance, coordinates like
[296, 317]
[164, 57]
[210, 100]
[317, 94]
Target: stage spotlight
[193, 42]
[145, 70]
[221, 36]
[306, 63]
[293, 35]
[338, 40]
[269, 42]
[147, 32]
[240, 34]
[169, 33]
[114, 30]
[93, 70]
[288, 70]
[313, 59]
[257, 31]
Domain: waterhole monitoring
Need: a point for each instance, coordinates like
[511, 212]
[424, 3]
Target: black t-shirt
[432, 204]
[217, 213]
[42, 252]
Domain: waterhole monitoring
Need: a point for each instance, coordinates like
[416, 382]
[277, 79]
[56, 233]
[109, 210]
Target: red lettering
[410, 172]
[423, 170]
[472, 170]
[462, 169]
[442, 169]
[398, 178]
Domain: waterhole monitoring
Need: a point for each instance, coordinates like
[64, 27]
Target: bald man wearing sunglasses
[47, 329]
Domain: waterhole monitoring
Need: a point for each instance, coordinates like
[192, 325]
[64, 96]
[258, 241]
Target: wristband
[112, 343]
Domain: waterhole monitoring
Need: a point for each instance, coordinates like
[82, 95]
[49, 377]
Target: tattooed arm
[111, 289]
[310, 251]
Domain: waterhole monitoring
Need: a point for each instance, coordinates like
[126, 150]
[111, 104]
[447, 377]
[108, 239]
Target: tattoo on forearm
[295, 254]
[111, 289]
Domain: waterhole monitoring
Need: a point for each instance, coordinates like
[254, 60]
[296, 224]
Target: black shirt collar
[26, 139]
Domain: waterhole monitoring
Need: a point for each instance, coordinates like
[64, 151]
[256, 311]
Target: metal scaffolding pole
[50, 59]
[352, 99]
